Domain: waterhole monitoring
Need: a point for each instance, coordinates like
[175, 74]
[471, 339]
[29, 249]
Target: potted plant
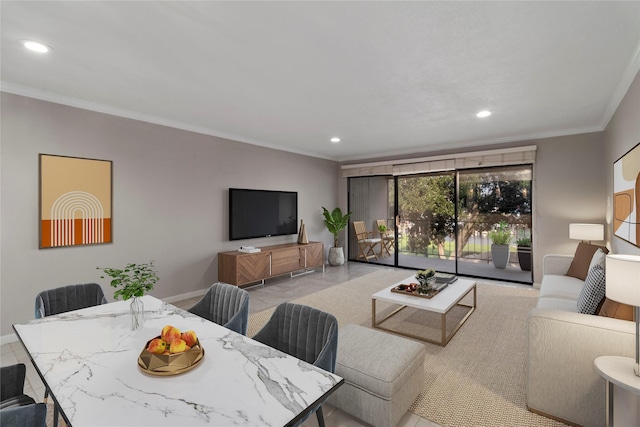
[132, 282]
[335, 222]
[382, 228]
[524, 253]
[500, 237]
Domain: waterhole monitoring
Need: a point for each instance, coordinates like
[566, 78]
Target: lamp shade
[623, 279]
[586, 231]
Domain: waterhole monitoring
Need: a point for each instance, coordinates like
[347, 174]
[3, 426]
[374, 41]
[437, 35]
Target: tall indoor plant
[133, 281]
[335, 222]
[500, 237]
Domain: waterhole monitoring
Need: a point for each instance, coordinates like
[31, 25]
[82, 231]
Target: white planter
[500, 255]
[336, 256]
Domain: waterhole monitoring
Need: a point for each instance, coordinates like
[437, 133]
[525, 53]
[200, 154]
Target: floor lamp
[623, 285]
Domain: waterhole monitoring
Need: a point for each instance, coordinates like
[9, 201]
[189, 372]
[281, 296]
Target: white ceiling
[388, 78]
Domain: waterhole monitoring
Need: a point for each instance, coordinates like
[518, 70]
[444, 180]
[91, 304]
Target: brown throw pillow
[581, 260]
[617, 310]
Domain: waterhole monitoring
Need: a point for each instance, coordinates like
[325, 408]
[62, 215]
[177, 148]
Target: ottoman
[383, 374]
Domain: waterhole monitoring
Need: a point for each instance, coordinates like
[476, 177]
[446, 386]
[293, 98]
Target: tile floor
[271, 294]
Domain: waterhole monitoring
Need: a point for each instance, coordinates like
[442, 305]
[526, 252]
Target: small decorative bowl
[170, 364]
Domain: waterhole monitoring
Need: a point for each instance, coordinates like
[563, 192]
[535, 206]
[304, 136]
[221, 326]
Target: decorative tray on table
[170, 364]
[412, 289]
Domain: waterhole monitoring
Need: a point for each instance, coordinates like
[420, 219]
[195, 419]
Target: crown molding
[622, 88]
[118, 112]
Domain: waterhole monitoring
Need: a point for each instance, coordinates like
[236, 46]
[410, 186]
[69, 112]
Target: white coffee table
[441, 303]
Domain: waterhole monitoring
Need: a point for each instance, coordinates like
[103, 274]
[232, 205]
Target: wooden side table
[617, 371]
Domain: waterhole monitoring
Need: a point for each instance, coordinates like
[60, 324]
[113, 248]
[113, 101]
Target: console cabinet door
[312, 255]
[253, 267]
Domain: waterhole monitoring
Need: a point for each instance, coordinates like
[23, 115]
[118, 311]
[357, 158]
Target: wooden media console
[241, 268]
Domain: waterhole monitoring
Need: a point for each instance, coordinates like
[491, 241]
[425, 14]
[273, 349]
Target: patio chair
[64, 299]
[388, 238]
[366, 243]
[16, 408]
[226, 305]
[305, 333]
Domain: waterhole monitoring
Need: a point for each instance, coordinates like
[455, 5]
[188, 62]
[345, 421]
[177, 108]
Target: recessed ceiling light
[35, 46]
[335, 139]
[483, 113]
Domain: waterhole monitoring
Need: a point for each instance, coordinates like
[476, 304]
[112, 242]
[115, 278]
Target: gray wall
[169, 199]
[621, 135]
[569, 186]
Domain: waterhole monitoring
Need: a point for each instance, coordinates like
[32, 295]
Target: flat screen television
[262, 213]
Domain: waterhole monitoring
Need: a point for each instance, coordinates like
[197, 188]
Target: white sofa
[562, 382]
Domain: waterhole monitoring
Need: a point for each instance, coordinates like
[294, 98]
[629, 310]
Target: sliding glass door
[488, 198]
[372, 201]
[444, 220]
[426, 222]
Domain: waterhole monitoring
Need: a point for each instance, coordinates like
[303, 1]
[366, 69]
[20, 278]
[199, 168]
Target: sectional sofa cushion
[563, 304]
[593, 291]
[561, 287]
[579, 267]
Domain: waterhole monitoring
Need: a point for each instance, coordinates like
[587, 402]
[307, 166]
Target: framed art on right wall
[626, 196]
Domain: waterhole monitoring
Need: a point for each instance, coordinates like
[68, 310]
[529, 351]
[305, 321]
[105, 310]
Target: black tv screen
[262, 213]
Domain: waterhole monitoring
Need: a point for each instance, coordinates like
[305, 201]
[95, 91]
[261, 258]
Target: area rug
[478, 379]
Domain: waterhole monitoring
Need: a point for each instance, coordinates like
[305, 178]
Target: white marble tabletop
[88, 358]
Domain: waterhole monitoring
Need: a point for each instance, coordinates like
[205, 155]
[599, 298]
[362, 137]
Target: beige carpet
[478, 379]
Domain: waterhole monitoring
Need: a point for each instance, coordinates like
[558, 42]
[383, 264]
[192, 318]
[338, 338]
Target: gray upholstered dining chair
[226, 305]
[33, 415]
[63, 299]
[16, 408]
[68, 298]
[306, 333]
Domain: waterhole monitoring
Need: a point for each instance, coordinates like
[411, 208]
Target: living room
[170, 188]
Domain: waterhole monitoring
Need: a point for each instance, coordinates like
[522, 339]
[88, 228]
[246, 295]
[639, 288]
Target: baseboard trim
[188, 295]
[8, 339]
[544, 414]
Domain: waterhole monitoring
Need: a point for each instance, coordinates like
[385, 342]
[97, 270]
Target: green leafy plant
[133, 280]
[425, 274]
[335, 222]
[382, 228]
[501, 234]
[524, 241]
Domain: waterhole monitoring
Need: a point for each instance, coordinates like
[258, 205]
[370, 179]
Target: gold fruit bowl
[170, 364]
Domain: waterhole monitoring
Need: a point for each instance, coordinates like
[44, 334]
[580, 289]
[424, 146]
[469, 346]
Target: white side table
[617, 371]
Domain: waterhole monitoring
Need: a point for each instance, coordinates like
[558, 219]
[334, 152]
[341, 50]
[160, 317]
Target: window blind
[478, 159]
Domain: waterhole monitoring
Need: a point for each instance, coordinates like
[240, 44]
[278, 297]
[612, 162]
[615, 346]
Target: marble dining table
[88, 359]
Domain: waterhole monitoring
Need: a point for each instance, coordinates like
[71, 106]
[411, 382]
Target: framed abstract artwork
[626, 196]
[75, 201]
